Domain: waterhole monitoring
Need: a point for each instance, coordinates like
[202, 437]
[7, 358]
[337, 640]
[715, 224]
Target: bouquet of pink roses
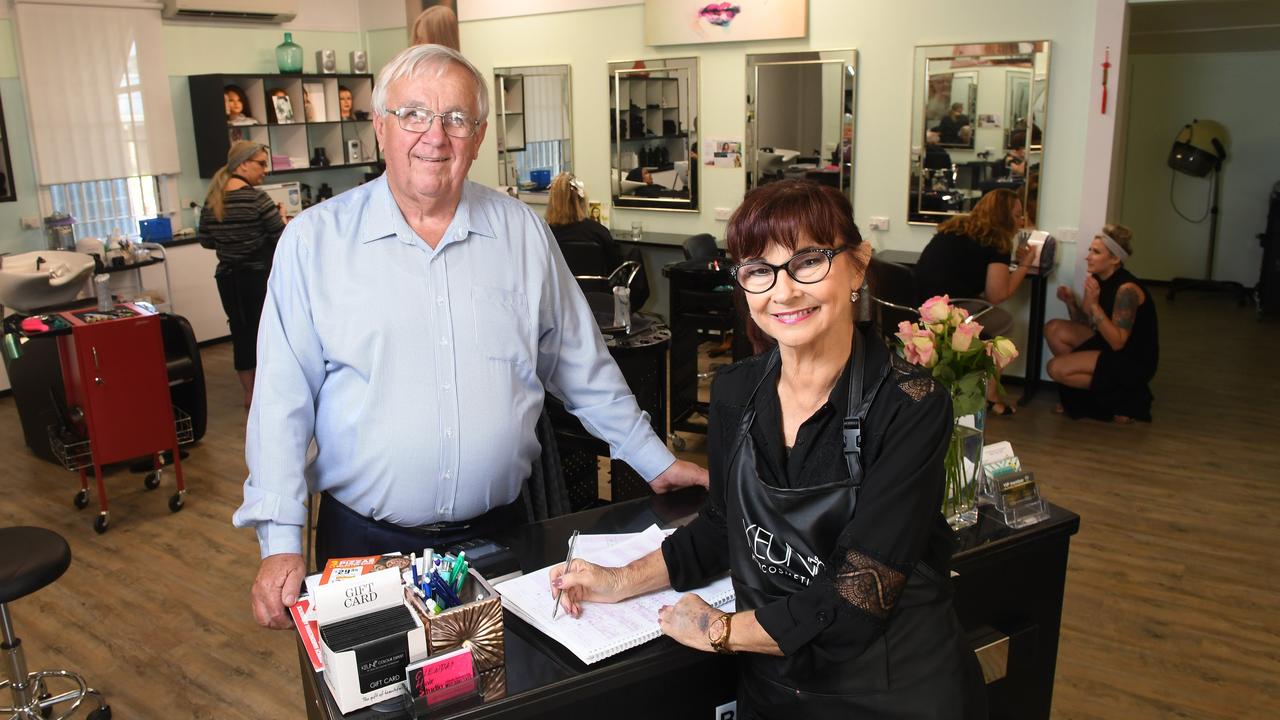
[945, 339]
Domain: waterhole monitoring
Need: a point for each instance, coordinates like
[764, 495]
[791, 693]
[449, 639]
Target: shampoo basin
[35, 280]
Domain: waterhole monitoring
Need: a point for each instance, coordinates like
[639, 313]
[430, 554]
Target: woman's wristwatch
[718, 633]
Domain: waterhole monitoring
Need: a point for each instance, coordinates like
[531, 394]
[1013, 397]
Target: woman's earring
[853, 296]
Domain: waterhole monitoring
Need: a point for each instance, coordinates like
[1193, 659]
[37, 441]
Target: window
[101, 207]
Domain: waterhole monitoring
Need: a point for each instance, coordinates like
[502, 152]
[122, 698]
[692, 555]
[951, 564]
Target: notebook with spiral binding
[604, 629]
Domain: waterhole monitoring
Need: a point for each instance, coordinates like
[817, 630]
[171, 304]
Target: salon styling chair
[892, 290]
[33, 558]
[701, 247]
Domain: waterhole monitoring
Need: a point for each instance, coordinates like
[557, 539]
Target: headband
[1113, 246]
[235, 161]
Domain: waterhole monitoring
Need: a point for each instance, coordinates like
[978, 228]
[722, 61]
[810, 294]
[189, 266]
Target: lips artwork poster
[682, 22]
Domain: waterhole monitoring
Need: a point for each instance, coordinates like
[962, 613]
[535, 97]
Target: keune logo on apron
[775, 556]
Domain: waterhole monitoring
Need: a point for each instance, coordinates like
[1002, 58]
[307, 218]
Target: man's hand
[682, 473]
[276, 588]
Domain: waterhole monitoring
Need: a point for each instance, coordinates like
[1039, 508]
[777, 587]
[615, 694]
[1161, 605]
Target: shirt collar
[383, 219]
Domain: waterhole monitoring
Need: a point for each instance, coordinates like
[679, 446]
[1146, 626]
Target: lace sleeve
[869, 585]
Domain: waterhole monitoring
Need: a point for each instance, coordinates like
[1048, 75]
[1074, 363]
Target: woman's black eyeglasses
[807, 267]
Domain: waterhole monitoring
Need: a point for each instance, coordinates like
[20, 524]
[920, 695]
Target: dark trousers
[243, 292]
[343, 532]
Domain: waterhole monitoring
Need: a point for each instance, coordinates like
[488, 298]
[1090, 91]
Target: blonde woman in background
[567, 215]
[437, 25]
[1107, 353]
[242, 224]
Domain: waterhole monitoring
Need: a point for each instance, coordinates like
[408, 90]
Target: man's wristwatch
[718, 633]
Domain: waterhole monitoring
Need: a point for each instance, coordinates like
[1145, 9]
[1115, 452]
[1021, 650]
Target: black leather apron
[912, 670]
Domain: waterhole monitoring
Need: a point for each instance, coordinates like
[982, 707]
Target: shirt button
[822, 617]
[445, 386]
[444, 341]
[440, 300]
[448, 432]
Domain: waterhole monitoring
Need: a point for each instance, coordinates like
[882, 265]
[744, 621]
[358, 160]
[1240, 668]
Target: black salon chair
[892, 290]
[585, 258]
[701, 247]
[33, 558]
[545, 494]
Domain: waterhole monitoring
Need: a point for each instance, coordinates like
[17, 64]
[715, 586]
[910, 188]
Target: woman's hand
[584, 581]
[1066, 296]
[1091, 291]
[1022, 255]
[688, 621]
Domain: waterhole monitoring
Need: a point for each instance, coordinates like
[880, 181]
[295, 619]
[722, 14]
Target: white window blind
[103, 207]
[97, 90]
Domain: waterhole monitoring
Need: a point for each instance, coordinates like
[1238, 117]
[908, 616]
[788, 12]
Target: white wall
[884, 35]
[1166, 92]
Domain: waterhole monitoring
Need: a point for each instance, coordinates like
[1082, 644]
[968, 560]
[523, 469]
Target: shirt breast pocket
[501, 323]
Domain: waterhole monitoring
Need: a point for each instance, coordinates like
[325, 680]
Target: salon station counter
[1008, 583]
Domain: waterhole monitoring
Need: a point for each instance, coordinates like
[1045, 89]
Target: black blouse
[897, 521]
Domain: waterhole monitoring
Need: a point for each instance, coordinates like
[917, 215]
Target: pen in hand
[567, 560]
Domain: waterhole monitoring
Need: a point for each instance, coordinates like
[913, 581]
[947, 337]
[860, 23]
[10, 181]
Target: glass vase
[963, 465]
[289, 55]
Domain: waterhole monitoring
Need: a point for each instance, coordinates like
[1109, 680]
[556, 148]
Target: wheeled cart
[118, 404]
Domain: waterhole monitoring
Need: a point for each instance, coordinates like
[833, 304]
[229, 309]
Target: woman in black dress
[1106, 354]
[567, 216]
[834, 540]
[242, 224]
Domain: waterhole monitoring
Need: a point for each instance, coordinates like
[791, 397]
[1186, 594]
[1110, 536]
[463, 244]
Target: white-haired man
[412, 326]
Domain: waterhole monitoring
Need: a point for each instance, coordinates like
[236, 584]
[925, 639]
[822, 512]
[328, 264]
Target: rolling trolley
[117, 405]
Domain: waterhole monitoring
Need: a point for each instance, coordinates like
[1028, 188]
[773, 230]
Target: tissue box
[477, 623]
[156, 230]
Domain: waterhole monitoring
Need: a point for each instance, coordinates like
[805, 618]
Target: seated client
[1106, 354]
[567, 216]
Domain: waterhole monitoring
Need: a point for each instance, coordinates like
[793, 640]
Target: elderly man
[412, 326]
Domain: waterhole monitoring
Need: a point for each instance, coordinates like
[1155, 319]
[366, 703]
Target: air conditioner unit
[263, 11]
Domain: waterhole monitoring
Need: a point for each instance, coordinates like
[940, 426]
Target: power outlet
[727, 711]
[879, 222]
[723, 213]
[30, 223]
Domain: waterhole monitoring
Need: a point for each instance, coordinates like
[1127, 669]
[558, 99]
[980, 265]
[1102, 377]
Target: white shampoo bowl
[38, 279]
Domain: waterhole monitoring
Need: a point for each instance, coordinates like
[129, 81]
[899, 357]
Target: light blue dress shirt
[420, 373]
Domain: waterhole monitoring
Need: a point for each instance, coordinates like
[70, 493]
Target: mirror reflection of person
[826, 608]
[344, 102]
[1106, 354]
[242, 224]
[495, 328]
[969, 258]
[935, 156]
[237, 106]
[437, 25]
[949, 126]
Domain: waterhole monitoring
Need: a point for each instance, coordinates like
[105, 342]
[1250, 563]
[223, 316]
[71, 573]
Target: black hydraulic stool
[31, 558]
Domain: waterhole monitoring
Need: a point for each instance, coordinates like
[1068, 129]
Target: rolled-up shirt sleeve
[290, 371]
[846, 609]
[577, 368]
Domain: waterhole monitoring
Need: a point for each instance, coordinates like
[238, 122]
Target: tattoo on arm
[1126, 308]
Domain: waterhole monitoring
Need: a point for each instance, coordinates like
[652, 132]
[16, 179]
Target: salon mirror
[978, 125]
[653, 113]
[532, 114]
[800, 118]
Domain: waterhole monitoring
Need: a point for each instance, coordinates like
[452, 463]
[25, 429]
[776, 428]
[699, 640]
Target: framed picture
[313, 108]
[685, 22]
[283, 108]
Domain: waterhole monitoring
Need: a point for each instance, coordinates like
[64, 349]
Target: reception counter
[1008, 583]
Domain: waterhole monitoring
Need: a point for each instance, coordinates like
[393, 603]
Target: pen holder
[477, 624]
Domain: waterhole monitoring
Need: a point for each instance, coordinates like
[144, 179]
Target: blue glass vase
[289, 55]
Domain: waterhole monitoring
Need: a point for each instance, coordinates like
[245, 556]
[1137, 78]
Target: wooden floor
[1172, 607]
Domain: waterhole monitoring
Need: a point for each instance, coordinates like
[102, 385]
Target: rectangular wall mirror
[978, 125]
[800, 109]
[653, 114]
[532, 116]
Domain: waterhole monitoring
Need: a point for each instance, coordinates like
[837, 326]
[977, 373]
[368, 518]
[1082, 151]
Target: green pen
[458, 563]
[461, 578]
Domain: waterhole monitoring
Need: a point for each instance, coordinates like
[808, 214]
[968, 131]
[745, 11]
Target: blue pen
[413, 565]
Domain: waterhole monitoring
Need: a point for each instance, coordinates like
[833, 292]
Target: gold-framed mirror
[533, 119]
[978, 124]
[653, 134]
[800, 117]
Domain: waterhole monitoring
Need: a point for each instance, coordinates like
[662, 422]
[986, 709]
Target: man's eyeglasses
[419, 119]
[807, 267]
